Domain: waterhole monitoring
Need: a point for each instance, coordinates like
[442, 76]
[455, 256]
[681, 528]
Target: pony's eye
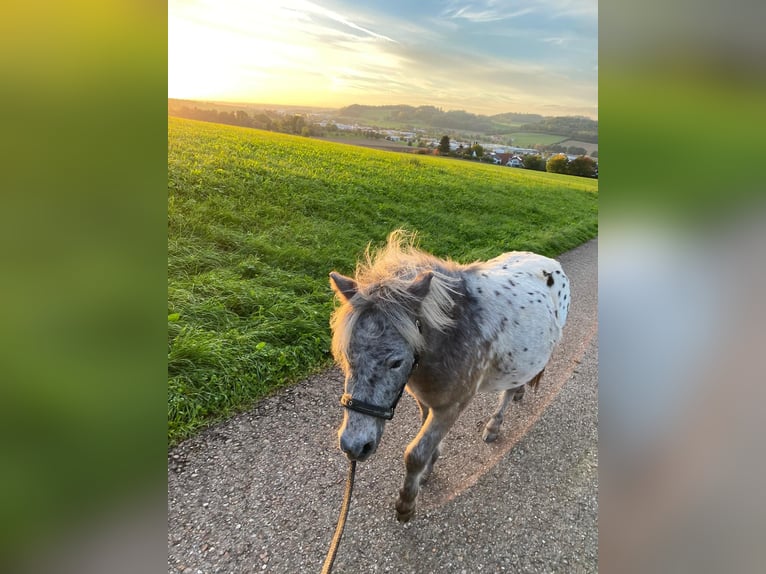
[395, 364]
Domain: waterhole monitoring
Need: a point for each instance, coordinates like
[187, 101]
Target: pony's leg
[424, 410]
[493, 425]
[492, 429]
[420, 456]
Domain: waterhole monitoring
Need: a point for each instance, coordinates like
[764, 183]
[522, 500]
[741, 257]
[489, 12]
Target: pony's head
[398, 295]
[377, 341]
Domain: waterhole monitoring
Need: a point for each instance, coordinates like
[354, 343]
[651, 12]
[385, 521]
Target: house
[510, 160]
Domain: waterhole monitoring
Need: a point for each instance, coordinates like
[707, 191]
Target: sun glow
[239, 51]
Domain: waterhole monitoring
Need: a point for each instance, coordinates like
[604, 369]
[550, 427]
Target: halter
[374, 410]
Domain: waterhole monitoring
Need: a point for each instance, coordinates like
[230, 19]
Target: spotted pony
[445, 331]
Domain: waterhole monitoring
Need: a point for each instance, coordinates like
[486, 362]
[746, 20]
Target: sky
[485, 57]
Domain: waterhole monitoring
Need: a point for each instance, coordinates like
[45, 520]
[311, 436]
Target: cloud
[585, 9]
[314, 9]
[473, 14]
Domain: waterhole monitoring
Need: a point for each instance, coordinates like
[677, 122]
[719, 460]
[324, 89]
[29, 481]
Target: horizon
[488, 57]
[275, 105]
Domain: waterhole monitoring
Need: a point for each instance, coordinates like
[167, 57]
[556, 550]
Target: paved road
[261, 491]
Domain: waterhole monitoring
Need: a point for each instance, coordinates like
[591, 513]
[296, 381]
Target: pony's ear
[420, 286]
[344, 286]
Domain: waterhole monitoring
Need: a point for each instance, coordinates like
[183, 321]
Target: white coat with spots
[525, 300]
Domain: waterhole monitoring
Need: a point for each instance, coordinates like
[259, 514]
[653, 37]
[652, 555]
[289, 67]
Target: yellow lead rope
[327, 568]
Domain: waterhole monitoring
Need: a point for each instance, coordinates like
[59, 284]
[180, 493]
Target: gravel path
[261, 492]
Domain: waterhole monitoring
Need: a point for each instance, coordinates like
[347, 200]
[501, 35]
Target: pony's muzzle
[356, 449]
[359, 435]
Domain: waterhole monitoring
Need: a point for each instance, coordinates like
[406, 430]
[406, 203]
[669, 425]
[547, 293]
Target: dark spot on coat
[515, 322]
[539, 301]
[550, 281]
[505, 266]
[505, 286]
[479, 290]
[523, 307]
[530, 293]
[557, 271]
[557, 313]
[525, 349]
[497, 293]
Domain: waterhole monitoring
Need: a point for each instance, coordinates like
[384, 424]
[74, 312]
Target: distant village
[506, 155]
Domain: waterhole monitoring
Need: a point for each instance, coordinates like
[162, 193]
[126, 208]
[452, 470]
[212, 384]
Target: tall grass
[256, 220]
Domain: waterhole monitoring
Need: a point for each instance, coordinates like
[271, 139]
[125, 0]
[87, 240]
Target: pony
[444, 331]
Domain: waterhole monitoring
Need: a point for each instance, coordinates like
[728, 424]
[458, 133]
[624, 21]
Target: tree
[582, 166]
[534, 162]
[242, 118]
[444, 144]
[477, 149]
[576, 150]
[557, 164]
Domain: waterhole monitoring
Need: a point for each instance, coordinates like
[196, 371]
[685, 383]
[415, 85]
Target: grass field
[528, 139]
[256, 220]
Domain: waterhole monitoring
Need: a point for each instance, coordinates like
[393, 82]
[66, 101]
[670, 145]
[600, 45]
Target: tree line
[582, 166]
[265, 120]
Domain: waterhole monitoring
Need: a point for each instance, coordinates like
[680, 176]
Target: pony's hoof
[405, 517]
[489, 436]
[404, 511]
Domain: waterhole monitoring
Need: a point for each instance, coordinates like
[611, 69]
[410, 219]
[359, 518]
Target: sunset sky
[487, 57]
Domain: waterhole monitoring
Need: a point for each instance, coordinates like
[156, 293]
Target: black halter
[374, 410]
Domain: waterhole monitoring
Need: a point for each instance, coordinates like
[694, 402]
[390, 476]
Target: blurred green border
[83, 289]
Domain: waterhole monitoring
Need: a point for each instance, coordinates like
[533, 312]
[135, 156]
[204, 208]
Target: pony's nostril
[367, 449]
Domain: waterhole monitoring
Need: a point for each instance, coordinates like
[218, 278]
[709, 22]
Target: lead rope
[327, 568]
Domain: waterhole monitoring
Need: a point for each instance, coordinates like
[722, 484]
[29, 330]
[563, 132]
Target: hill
[422, 116]
[573, 127]
[516, 119]
[431, 117]
[256, 220]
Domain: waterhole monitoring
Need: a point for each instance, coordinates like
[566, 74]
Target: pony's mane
[383, 279]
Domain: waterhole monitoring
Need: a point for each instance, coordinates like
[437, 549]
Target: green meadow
[257, 220]
[528, 139]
